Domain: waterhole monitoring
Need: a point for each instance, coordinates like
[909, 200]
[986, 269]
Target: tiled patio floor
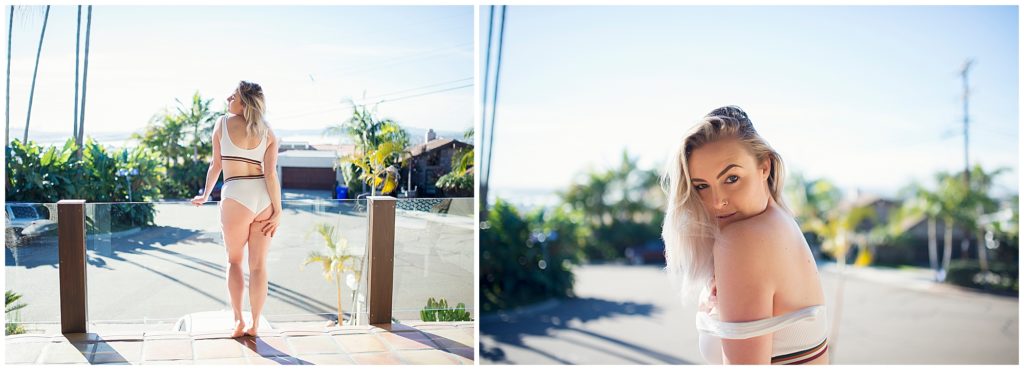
[408, 343]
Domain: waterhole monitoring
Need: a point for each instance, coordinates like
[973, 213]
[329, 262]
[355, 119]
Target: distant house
[912, 249]
[428, 162]
[310, 167]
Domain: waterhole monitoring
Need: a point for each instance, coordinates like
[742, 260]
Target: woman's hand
[200, 199]
[269, 225]
[712, 299]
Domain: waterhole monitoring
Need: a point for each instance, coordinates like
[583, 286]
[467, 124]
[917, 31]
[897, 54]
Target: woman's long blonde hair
[689, 230]
[253, 108]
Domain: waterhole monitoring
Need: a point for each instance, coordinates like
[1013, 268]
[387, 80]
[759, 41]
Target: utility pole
[483, 115]
[963, 76]
[494, 109]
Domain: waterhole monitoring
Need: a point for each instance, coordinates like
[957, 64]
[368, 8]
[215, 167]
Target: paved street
[630, 315]
[177, 267]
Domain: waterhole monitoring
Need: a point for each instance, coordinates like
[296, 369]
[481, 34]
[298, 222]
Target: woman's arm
[273, 183]
[743, 270]
[215, 164]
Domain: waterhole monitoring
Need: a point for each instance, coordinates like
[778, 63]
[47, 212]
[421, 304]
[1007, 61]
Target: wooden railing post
[380, 281]
[71, 253]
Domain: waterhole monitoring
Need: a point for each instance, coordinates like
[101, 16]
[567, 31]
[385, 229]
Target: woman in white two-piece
[728, 232]
[245, 148]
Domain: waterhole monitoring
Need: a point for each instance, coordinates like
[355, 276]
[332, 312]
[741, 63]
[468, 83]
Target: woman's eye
[701, 186]
[731, 179]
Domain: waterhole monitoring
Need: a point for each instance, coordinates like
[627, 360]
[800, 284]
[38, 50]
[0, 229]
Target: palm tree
[336, 262]
[922, 203]
[7, 107]
[78, 35]
[379, 145]
[11, 305]
[199, 118]
[85, 79]
[35, 72]
[375, 166]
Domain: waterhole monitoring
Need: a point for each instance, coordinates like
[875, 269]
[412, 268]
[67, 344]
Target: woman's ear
[766, 168]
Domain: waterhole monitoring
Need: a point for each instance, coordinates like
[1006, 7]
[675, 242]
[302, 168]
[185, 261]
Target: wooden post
[380, 282]
[71, 252]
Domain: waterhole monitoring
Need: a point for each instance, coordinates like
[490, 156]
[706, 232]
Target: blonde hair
[689, 230]
[253, 107]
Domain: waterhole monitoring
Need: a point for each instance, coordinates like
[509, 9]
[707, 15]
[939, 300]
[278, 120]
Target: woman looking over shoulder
[727, 230]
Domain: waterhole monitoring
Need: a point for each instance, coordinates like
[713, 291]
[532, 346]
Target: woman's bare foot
[239, 327]
[251, 331]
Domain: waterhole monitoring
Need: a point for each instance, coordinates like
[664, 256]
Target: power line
[349, 105]
[333, 106]
[425, 94]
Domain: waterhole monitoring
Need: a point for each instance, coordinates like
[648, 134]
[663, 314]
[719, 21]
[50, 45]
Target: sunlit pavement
[308, 344]
[631, 315]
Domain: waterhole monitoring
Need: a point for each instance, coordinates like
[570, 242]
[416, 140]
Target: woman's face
[729, 181]
[235, 103]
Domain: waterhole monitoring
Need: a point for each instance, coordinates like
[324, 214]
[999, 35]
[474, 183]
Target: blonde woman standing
[728, 232]
[245, 149]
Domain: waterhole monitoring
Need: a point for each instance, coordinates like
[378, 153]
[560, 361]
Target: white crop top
[797, 337]
[230, 152]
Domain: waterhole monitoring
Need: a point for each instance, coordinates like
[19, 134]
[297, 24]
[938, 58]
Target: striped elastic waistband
[232, 178]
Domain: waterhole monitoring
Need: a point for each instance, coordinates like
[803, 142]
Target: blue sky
[308, 59]
[868, 97]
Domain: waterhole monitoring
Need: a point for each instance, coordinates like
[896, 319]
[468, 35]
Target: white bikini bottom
[251, 191]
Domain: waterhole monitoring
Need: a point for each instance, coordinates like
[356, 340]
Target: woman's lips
[726, 216]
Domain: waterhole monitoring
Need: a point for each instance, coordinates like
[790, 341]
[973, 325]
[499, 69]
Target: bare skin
[763, 265]
[241, 226]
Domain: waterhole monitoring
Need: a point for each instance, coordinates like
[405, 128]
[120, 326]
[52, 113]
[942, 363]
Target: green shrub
[43, 175]
[456, 185]
[439, 311]
[39, 175]
[967, 273]
[528, 258]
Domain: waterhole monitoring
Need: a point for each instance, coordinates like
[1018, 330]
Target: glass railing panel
[434, 256]
[31, 272]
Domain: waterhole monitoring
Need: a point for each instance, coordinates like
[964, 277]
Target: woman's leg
[235, 219]
[258, 246]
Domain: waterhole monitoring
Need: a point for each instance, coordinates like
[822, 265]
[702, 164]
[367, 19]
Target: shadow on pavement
[567, 317]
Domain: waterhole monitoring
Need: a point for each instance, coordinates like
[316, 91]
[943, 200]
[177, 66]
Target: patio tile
[349, 329]
[428, 357]
[379, 328]
[82, 337]
[117, 351]
[25, 338]
[161, 350]
[169, 362]
[321, 344]
[217, 348]
[358, 343]
[266, 346]
[451, 338]
[334, 359]
[120, 336]
[463, 354]
[222, 361]
[23, 352]
[63, 353]
[379, 358]
[407, 340]
[302, 332]
[108, 334]
[275, 360]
